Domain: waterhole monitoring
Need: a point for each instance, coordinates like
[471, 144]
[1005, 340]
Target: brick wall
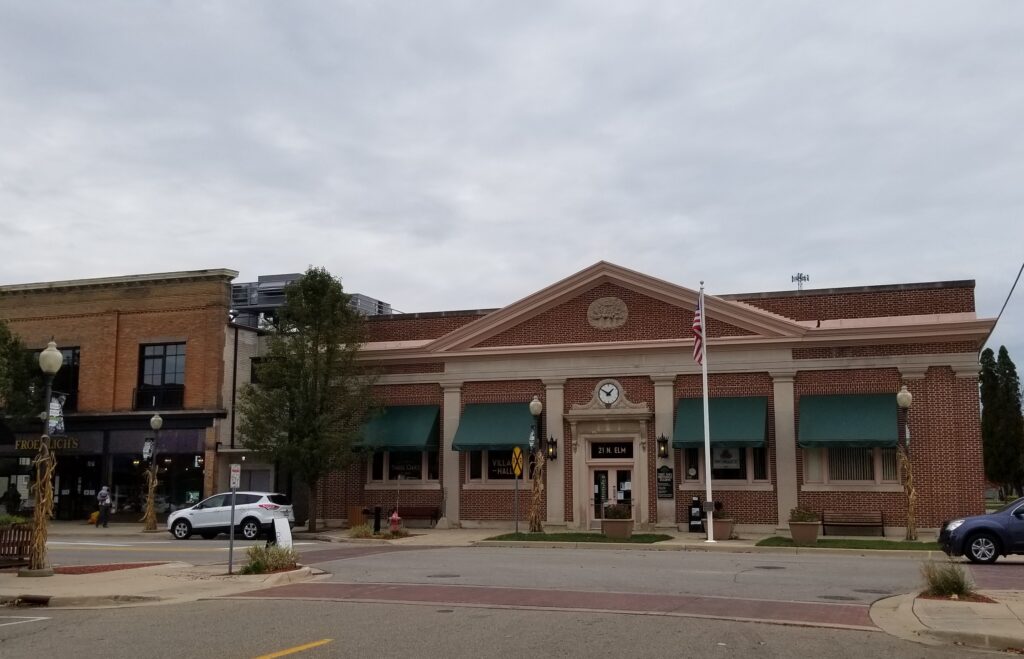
[956, 297]
[886, 350]
[409, 327]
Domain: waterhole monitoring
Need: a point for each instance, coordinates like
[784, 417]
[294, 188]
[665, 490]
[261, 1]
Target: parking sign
[236, 476]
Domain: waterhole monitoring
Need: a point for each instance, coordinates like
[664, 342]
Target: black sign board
[611, 451]
[665, 482]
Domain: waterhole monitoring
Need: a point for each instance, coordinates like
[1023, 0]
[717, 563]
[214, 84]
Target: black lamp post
[156, 422]
[903, 400]
[536, 407]
[50, 361]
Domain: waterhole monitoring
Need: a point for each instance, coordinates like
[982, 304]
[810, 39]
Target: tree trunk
[311, 524]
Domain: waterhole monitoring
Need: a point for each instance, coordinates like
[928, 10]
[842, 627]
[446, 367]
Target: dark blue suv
[984, 538]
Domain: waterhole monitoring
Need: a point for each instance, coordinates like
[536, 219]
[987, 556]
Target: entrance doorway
[611, 485]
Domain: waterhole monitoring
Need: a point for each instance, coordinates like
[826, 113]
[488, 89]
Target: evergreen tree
[313, 393]
[996, 461]
[1010, 424]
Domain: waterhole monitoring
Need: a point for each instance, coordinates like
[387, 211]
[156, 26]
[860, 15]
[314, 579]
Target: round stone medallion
[607, 313]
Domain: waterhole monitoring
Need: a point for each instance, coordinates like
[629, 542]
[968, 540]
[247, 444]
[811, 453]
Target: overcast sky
[451, 155]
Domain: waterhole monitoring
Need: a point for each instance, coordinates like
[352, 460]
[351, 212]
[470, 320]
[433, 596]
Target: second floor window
[66, 381]
[161, 376]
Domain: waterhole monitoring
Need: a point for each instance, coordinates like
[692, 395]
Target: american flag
[698, 332]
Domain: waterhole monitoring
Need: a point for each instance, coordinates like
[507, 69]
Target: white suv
[254, 515]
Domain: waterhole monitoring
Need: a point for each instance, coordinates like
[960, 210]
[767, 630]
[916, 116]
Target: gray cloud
[450, 155]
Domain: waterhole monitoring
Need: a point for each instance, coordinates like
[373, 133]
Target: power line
[1007, 301]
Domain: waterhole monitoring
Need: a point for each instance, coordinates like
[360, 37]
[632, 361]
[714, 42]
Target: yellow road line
[297, 648]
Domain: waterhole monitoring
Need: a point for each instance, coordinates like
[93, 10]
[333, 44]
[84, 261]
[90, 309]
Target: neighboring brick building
[133, 346]
[803, 407]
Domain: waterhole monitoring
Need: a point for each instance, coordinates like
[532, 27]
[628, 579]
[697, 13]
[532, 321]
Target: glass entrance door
[611, 485]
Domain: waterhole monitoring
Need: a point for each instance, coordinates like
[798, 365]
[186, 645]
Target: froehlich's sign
[56, 443]
[611, 451]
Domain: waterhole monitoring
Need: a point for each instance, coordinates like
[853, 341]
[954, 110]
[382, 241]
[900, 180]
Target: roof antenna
[800, 278]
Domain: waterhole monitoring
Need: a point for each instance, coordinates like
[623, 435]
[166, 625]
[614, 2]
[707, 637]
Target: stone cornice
[217, 274]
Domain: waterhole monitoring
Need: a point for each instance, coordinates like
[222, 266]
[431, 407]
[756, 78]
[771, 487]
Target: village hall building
[803, 408]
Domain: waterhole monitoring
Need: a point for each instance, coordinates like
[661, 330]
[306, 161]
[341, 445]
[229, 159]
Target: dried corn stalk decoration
[538, 488]
[150, 516]
[42, 490]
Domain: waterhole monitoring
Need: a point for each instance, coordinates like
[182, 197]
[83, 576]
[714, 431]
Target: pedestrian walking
[103, 499]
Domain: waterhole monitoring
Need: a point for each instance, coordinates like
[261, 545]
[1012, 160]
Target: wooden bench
[15, 541]
[859, 519]
[432, 513]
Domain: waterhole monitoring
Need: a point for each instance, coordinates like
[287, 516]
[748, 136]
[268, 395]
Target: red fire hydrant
[395, 521]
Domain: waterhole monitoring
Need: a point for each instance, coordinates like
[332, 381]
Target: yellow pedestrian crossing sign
[517, 461]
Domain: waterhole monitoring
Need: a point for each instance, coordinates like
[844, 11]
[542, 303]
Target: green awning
[739, 421]
[485, 426]
[864, 420]
[403, 428]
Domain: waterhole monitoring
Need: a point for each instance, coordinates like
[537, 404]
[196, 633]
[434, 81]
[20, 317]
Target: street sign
[517, 461]
[236, 477]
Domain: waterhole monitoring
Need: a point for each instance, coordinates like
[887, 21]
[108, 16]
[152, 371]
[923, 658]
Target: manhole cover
[874, 591]
[443, 576]
[843, 598]
[769, 567]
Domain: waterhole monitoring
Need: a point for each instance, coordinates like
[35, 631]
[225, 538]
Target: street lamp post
[50, 361]
[539, 460]
[903, 400]
[156, 423]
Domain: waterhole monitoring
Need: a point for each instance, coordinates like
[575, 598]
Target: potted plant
[617, 521]
[804, 525]
[723, 523]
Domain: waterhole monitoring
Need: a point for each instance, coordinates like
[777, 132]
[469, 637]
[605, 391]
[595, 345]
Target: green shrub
[7, 520]
[269, 559]
[799, 514]
[618, 511]
[361, 531]
[946, 578]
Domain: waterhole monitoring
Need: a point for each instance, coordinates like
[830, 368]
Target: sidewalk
[998, 625]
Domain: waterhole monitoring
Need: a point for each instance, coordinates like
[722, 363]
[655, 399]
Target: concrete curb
[896, 616]
[717, 547]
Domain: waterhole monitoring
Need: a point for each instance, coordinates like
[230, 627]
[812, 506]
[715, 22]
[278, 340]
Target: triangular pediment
[608, 303]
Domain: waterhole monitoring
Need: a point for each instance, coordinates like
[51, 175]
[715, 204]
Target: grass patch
[263, 559]
[365, 531]
[943, 579]
[638, 538]
[854, 543]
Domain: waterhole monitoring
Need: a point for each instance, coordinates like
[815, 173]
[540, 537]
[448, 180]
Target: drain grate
[842, 598]
[769, 567]
[443, 576]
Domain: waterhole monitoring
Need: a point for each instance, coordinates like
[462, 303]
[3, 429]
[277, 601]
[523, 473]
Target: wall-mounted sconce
[552, 448]
[663, 447]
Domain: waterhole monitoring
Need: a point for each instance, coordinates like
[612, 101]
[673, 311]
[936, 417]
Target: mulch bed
[975, 597]
[92, 569]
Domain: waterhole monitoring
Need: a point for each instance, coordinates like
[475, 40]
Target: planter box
[619, 529]
[804, 533]
[724, 528]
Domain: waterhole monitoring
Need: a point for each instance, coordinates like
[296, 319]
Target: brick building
[802, 409]
[133, 346]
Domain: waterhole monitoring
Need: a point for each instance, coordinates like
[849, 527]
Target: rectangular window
[745, 465]
[851, 465]
[161, 376]
[65, 382]
[392, 466]
[496, 466]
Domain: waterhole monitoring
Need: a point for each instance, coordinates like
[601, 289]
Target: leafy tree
[1002, 432]
[20, 379]
[313, 393]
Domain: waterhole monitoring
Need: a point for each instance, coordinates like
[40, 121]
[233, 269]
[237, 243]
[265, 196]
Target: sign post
[517, 471]
[236, 480]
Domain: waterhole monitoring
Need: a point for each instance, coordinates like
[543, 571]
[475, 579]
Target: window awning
[864, 420]
[403, 428]
[485, 426]
[738, 421]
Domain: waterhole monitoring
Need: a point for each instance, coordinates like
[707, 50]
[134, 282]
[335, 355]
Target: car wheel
[208, 536]
[250, 528]
[181, 530]
[982, 548]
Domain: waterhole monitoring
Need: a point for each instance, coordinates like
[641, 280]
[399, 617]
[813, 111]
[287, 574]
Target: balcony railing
[167, 397]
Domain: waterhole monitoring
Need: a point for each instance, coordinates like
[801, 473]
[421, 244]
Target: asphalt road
[240, 628]
[92, 550]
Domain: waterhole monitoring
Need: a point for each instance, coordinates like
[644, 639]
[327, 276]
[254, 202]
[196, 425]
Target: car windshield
[1009, 505]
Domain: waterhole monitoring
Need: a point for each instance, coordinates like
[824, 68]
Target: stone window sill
[406, 485]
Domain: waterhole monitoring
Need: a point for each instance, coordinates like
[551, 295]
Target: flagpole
[707, 427]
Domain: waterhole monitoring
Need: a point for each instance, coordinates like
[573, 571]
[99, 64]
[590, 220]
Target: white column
[451, 411]
[664, 417]
[785, 446]
[554, 405]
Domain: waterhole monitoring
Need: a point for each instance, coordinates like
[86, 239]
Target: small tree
[21, 396]
[313, 393]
